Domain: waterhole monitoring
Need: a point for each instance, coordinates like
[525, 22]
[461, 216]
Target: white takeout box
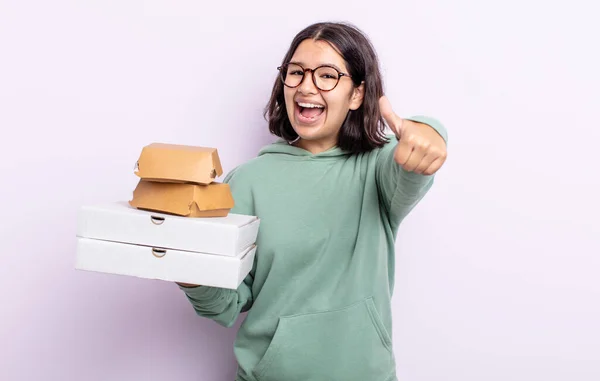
[120, 222]
[164, 264]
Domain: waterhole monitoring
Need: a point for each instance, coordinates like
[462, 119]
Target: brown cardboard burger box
[183, 199]
[180, 180]
[175, 163]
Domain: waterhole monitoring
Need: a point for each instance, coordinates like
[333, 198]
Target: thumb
[388, 114]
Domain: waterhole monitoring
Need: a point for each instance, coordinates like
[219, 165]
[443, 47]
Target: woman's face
[318, 127]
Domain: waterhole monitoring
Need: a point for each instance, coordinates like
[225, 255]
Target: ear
[358, 94]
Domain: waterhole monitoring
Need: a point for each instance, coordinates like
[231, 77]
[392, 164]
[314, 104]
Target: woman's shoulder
[259, 165]
[247, 171]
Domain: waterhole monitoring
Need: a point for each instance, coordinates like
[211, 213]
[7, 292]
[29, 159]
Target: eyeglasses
[324, 77]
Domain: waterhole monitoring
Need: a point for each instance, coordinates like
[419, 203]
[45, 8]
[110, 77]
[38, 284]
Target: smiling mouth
[310, 111]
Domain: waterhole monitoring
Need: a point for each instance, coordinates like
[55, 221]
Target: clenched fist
[420, 148]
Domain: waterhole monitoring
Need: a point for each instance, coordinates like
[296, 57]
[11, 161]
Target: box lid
[179, 163]
[120, 222]
[123, 208]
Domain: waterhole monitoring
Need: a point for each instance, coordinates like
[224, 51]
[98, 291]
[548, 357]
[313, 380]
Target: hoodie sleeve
[221, 304]
[399, 190]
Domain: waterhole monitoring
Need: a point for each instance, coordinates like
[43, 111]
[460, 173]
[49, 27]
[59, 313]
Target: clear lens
[326, 78]
[292, 74]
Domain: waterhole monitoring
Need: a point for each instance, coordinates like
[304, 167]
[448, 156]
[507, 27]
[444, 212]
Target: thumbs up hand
[420, 148]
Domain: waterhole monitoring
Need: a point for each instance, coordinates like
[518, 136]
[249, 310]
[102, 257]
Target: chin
[308, 133]
[318, 137]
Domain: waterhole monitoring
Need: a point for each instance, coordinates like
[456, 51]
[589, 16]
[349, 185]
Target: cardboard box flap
[179, 163]
[183, 199]
[213, 196]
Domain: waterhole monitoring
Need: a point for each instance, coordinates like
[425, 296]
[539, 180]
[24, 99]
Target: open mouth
[309, 112]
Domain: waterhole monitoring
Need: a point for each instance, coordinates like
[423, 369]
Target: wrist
[187, 285]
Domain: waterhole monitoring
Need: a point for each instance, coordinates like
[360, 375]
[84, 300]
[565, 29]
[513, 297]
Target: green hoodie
[319, 294]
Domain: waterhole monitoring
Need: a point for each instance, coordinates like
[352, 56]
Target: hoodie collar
[281, 146]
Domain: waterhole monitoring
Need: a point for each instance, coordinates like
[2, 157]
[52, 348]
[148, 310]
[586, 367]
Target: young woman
[331, 194]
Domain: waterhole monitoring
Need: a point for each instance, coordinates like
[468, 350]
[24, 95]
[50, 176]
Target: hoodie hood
[282, 147]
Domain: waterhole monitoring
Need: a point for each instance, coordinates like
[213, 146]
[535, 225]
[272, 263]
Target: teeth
[310, 105]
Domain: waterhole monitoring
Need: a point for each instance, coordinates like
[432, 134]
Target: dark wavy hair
[363, 129]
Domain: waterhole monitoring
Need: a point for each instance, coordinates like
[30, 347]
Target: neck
[315, 146]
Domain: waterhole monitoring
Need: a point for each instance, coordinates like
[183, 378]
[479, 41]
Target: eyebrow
[320, 64]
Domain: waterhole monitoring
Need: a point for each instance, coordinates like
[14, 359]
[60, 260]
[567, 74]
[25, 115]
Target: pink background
[497, 273]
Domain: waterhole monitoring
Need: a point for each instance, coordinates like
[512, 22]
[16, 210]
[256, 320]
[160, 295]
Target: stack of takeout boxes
[177, 227]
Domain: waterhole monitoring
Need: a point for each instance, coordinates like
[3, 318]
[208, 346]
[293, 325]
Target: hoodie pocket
[349, 344]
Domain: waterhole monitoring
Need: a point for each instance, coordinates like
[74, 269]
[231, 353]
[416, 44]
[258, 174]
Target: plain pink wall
[497, 273]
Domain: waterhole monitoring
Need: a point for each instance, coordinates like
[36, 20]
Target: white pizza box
[164, 264]
[120, 222]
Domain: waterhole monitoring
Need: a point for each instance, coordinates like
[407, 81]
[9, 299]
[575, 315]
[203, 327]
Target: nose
[307, 86]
